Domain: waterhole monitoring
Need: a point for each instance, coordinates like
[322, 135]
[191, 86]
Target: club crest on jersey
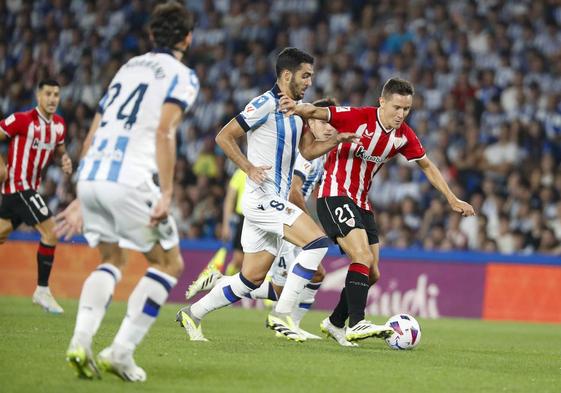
[59, 129]
[351, 222]
[361, 153]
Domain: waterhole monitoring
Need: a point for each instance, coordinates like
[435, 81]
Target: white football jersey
[310, 172]
[272, 140]
[124, 145]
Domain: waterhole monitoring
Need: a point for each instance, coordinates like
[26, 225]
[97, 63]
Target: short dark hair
[397, 86]
[325, 102]
[47, 82]
[290, 59]
[169, 24]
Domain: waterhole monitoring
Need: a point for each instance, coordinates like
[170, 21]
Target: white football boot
[336, 333]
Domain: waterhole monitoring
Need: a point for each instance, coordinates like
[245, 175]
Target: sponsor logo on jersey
[10, 119]
[361, 153]
[37, 144]
[342, 109]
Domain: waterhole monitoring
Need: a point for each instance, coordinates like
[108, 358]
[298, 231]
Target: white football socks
[305, 301]
[96, 295]
[144, 304]
[228, 290]
[300, 274]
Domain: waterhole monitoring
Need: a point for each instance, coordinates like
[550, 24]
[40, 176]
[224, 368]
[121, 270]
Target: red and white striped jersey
[350, 167]
[33, 140]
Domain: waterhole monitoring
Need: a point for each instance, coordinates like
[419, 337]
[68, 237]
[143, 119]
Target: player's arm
[304, 110]
[227, 140]
[296, 195]
[312, 148]
[227, 210]
[165, 158]
[437, 180]
[91, 132]
[65, 161]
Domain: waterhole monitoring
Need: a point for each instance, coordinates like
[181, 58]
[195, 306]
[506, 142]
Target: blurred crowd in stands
[487, 106]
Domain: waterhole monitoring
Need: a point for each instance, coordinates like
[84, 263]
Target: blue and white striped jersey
[272, 139]
[124, 145]
[310, 172]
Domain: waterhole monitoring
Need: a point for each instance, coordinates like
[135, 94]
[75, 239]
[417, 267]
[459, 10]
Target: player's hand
[69, 222]
[161, 210]
[287, 105]
[258, 173]
[348, 137]
[462, 207]
[66, 164]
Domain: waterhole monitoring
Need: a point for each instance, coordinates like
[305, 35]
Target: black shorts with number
[339, 215]
[237, 239]
[24, 206]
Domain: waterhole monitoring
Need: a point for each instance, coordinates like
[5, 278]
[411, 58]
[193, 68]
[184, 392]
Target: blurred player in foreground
[132, 138]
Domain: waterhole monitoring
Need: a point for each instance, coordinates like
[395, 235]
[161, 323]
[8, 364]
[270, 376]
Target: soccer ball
[407, 332]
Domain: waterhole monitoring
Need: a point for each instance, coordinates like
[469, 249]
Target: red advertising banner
[524, 293]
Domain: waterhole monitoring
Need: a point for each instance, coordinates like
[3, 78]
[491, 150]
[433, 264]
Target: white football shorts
[265, 216]
[116, 213]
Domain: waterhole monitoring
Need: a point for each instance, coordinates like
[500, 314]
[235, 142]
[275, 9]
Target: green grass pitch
[455, 355]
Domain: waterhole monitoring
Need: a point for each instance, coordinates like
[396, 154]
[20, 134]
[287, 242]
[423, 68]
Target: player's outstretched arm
[227, 140]
[305, 110]
[437, 180]
[311, 148]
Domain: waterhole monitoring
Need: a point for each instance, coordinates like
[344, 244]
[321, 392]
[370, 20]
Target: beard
[294, 90]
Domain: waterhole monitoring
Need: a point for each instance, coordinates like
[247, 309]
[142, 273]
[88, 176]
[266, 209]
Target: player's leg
[144, 304]
[45, 259]
[307, 298]
[304, 233]
[5, 229]
[99, 286]
[235, 264]
[29, 207]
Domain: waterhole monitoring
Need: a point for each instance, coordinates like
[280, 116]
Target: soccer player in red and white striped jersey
[343, 206]
[34, 138]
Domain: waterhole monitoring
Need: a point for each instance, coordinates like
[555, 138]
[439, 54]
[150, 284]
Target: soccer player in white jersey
[273, 140]
[132, 138]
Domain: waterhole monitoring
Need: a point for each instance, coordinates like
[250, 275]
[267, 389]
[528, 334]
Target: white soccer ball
[407, 332]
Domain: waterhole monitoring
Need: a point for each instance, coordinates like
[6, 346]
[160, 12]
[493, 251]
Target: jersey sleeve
[13, 124]
[302, 167]
[256, 112]
[183, 89]
[412, 150]
[346, 118]
[60, 132]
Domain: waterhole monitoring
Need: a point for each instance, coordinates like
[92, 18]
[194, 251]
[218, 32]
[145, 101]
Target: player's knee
[319, 275]
[374, 275]
[320, 245]
[363, 256]
[49, 238]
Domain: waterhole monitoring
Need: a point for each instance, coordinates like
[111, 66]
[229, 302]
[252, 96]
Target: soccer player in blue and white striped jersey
[273, 140]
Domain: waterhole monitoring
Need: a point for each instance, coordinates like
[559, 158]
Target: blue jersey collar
[276, 91]
[163, 50]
